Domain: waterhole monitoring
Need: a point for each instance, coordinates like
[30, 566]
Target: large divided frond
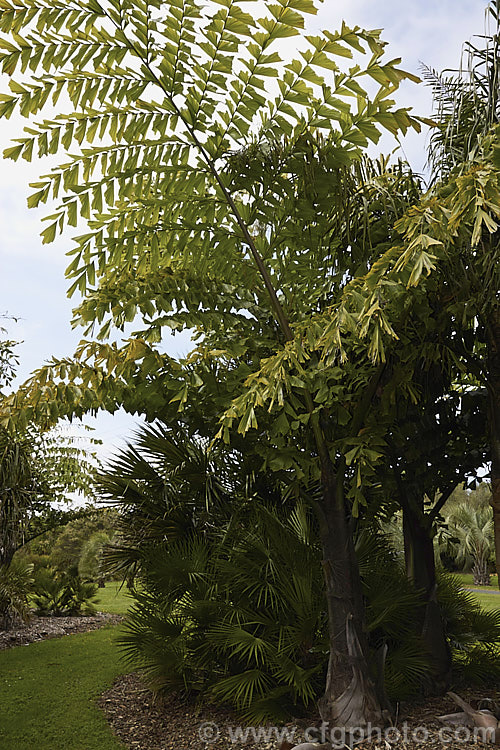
[154, 96]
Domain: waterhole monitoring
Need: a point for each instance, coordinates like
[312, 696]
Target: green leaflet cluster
[151, 91]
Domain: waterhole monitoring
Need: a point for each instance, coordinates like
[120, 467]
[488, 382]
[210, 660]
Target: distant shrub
[16, 584]
[62, 594]
[90, 565]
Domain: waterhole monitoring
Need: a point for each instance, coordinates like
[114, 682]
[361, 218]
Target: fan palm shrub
[62, 594]
[473, 633]
[229, 593]
[167, 485]
[242, 618]
[239, 616]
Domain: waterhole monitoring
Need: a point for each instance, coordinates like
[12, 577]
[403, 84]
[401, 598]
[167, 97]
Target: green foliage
[239, 618]
[8, 358]
[37, 470]
[466, 102]
[90, 564]
[243, 621]
[235, 609]
[473, 632]
[62, 594]
[471, 530]
[168, 484]
[392, 608]
[158, 100]
[451, 233]
[216, 201]
[16, 584]
[19, 491]
[65, 544]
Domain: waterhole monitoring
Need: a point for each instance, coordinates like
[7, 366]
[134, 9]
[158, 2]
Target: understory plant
[473, 633]
[62, 593]
[230, 606]
[16, 583]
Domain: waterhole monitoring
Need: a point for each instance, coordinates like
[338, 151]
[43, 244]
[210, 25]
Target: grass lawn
[489, 601]
[48, 693]
[113, 598]
[467, 581]
[484, 594]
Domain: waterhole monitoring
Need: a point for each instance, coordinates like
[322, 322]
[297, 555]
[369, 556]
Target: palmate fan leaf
[220, 632]
[168, 484]
[473, 632]
[163, 638]
[467, 622]
[391, 617]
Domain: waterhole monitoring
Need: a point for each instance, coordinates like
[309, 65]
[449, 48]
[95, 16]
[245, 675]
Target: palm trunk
[480, 572]
[494, 425]
[421, 571]
[350, 699]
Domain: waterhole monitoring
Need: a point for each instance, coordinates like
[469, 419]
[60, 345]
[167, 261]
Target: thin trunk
[350, 698]
[494, 425]
[6, 555]
[421, 571]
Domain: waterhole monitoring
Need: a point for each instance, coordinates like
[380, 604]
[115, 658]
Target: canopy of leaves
[164, 104]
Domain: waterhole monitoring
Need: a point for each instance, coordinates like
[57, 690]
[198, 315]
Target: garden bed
[141, 721]
[40, 628]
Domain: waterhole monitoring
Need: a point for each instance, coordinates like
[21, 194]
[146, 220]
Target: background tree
[38, 472]
[91, 562]
[434, 443]
[468, 107]
[450, 237]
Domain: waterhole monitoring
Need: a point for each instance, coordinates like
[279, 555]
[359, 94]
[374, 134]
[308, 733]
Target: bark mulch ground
[145, 723]
[40, 628]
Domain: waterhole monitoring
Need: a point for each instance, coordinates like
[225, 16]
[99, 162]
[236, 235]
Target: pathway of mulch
[145, 723]
[40, 628]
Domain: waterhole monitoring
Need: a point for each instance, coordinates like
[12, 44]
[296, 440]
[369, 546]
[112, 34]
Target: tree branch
[436, 509]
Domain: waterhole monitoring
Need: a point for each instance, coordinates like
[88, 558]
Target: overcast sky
[32, 283]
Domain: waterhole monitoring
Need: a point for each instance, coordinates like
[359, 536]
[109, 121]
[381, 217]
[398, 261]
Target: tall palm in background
[472, 528]
[468, 111]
